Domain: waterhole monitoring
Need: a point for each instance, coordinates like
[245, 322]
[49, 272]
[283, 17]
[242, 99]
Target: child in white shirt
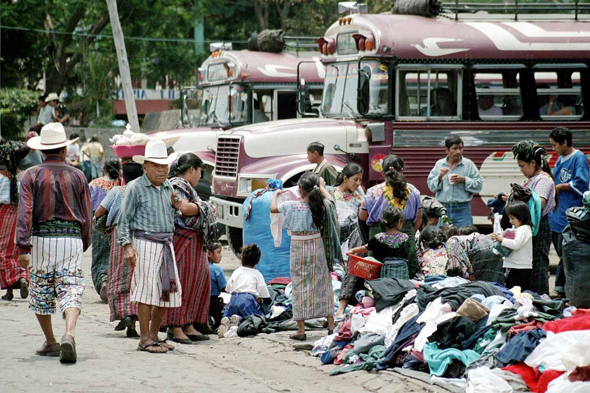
[247, 288]
[520, 260]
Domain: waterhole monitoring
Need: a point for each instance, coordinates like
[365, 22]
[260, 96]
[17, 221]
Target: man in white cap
[59, 112]
[53, 231]
[145, 231]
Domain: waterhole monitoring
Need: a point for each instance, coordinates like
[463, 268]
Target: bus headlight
[248, 184]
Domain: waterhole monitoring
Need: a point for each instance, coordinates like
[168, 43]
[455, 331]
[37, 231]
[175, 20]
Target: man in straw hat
[54, 220]
[59, 113]
[145, 231]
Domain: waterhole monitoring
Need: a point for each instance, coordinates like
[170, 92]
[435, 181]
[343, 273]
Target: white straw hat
[51, 97]
[53, 136]
[156, 151]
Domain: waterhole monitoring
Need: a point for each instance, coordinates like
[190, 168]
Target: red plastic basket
[364, 268]
[126, 151]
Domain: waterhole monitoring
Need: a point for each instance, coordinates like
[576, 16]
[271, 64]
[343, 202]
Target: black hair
[316, 146]
[74, 136]
[562, 134]
[392, 171]
[310, 184]
[112, 166]
[528, 151]
[520, 211]
[391, 216]
[250, 255]
[11, 155]
[42, 97]
[432, 237]
[212, 246]
[453, 139]
[349, 171]
[184, 163]
[448, 231]
[94, 139]
[467, 230]
[52, 152]
[132, 171]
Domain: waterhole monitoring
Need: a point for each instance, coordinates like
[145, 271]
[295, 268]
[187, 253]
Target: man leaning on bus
[454, 179]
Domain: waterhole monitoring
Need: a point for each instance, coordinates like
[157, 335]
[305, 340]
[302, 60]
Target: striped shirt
[52, 191]
[145, 208]
[112, 203]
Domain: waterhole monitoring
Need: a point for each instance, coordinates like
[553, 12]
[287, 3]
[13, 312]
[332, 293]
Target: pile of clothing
[477, 335]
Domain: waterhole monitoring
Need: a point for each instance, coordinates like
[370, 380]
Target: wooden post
[123, 65]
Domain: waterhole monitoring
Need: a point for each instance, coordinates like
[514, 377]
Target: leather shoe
[172, 337]
[68, 350]
[124, 324]
[298, 337]
[104, 296]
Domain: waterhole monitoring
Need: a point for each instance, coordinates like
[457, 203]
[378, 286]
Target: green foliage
[16, 105]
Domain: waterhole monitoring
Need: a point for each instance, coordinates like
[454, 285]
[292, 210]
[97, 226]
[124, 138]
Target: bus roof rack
[516, 10]
[301, 43]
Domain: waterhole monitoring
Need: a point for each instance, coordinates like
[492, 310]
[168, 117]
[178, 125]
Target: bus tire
[234, 240]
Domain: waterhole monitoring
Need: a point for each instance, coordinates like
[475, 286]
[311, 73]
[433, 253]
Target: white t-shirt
[491, 111]
[247, 280]
[521, 256]
[73, 151]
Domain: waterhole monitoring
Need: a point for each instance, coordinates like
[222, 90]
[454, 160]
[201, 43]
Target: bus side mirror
[363, 94]
[302, 99]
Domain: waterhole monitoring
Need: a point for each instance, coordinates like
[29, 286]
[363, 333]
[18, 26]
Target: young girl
[247, 287]
[391, 244]
[434, 259]
[218, 283]
[313, 296]
[520, 260]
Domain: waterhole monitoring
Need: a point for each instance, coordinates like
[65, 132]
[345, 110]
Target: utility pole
[123, 65]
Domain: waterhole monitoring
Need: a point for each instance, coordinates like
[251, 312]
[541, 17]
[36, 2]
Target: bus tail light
[327, 45]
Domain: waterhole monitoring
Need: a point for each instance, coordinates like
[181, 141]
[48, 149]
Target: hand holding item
[443, 172]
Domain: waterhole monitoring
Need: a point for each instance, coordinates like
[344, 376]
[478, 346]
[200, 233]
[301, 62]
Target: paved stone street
[109, 362]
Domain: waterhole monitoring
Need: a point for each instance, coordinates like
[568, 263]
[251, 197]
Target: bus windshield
[213, 102]
[341, 84]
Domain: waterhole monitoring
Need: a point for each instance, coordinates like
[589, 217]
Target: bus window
[429, 93]
[286, 105]
[498, 95]
[379, 86]
[559, 94]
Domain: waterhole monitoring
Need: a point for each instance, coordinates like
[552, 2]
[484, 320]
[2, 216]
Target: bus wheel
[234, 240]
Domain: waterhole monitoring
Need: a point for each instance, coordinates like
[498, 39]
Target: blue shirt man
[455, 179]
[571, 181]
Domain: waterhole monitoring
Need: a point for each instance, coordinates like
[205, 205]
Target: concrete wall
[103, 134]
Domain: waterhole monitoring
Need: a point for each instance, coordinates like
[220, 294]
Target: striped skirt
[10, 270]
[312, 295]
[119, 283]
[146, 283]
[195, 280]
[541, 247]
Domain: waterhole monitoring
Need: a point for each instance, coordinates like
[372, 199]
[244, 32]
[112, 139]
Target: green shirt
[326, 171]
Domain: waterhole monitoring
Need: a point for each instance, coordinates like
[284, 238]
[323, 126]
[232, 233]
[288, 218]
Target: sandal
[164, 344]
[172, 337]
[146, 348]
[132, 333]
[49, 350]
[24, 288]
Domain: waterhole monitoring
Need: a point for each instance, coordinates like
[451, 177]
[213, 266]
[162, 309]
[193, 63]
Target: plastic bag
[576, 248]
[274, 261]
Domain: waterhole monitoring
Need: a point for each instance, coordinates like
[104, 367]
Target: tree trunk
[62, 61]
[283, 11]
[261, 10]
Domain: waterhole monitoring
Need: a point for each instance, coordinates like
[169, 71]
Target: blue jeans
[459, 213]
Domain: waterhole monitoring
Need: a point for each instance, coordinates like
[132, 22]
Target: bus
[399, 84]
[239, 87]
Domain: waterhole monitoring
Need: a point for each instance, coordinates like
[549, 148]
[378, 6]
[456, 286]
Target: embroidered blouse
[386, 246]
[347, 209]
[380, 196]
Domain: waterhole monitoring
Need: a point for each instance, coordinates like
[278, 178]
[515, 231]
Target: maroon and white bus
[242, 87]
[401, 83]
